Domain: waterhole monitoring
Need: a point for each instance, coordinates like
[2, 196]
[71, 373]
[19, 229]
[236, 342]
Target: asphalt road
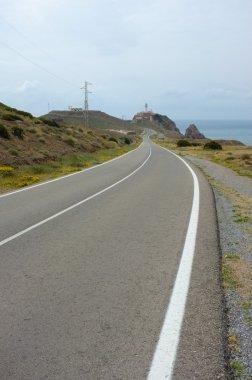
[83, 295]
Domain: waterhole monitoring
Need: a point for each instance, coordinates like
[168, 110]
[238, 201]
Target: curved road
[88, 265]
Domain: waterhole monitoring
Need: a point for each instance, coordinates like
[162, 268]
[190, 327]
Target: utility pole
[85, 109]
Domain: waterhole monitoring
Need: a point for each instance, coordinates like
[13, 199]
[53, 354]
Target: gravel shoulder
[233, 195]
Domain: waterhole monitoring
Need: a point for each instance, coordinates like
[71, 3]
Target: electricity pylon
[85, 109]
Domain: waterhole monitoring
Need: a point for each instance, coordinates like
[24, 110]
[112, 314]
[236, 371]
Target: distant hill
[97, 120]
[101, 120]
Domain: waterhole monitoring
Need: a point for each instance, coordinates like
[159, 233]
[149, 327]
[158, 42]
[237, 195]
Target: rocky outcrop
[163, 124]
[192, 132]
[166, 122]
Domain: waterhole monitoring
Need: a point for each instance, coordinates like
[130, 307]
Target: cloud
[27, 86]
[220, 93]
[227, 93]
[175, 92]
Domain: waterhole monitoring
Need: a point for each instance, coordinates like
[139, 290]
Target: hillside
[97, 120]
[101, 120]
[25, 140]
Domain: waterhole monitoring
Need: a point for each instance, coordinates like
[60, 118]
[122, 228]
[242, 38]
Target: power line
[21, 34]
[37, 64]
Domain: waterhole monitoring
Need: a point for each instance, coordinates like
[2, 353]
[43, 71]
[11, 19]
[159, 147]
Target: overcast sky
[186, 58]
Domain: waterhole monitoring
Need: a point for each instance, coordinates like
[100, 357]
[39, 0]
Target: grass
[237, 368]
[235, 157]
[245, 305]
[11, 178]
[235, 269]
[228, 278]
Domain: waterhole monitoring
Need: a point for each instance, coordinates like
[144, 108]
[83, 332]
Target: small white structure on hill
[144, 115]
[74, 109]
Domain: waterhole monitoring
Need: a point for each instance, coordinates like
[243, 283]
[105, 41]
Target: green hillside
[33, 149]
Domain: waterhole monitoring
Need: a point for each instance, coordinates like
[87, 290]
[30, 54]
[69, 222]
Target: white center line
[163, 361]
[7, 240]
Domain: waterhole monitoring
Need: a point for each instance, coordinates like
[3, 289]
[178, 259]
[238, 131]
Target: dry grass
[46, 150]
[13, 178]
[237, 274]
[236, 157]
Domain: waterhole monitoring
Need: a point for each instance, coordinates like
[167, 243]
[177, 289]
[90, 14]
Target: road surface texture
[84, 294]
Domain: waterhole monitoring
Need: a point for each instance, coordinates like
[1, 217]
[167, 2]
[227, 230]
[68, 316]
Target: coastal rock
[192, 132]
[166, 122]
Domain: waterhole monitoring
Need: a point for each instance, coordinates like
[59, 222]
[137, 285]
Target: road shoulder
[233, 197]
[203, 334]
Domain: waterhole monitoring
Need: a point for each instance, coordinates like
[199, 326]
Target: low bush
[111, 145]
[113, 139]
[32, 130]
[24, 113]
[213, 145]
[14, 152]
[245, 156]
[70, 141]
[18, 131]
[183, 143]
[27, 180]
[125, 140]
[6, 170]
[52, 123]
[4, 132]
[11, 117]
[10, 109]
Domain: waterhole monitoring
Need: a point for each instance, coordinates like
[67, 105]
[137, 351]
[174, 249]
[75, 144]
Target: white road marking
[69, 175]
[166, 350]
[7, 240]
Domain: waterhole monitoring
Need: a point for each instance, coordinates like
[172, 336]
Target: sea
[221, 129]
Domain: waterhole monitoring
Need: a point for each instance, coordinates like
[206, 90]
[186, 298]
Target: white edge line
[74, 205]
[69, 175]
[163, 361]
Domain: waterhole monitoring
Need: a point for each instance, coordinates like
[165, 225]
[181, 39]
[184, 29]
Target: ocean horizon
[220, 129]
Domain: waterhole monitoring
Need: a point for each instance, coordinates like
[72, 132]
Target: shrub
[4, 132]
[26, 180]
[24, 113]
[126, 140]
[11, 117]
[33, 130]
[113, 139]
[52, 123]
[213, 145]
[19, 132]
[70, 141]
[111, 145]
[6, 170]
[182, 143]
[10, 109]
[14, 152]
[245, 156]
